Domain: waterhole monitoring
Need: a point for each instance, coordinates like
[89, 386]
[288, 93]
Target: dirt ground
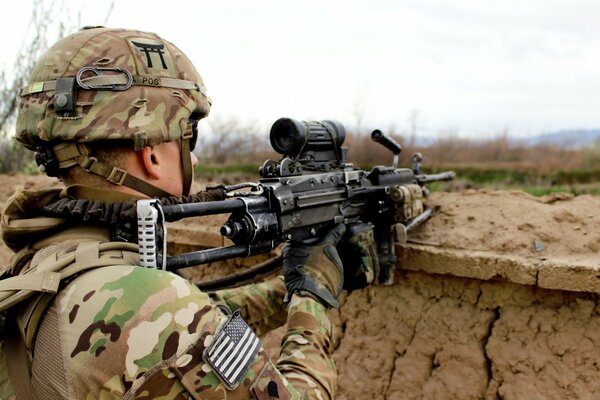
[441, 336]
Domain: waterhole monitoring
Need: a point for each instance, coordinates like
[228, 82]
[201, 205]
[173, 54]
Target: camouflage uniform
[119, 330]
[132, 332]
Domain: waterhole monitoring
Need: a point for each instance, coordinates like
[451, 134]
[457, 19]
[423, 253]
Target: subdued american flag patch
[233, 350]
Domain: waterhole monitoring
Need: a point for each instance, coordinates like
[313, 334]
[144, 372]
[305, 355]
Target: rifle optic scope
[290, 137]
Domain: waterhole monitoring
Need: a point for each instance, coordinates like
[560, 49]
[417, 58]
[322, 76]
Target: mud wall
[439, 336]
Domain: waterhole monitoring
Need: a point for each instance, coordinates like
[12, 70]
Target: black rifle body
[312, 188]
[301, 207]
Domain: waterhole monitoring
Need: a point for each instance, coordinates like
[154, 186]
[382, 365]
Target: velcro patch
[232, 352]
[269, 385]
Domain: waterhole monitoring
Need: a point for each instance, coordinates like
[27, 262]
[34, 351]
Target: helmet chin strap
[120, 177]
[186, 159]
[70, 154]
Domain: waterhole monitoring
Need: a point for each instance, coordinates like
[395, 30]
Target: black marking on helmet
[151, 48]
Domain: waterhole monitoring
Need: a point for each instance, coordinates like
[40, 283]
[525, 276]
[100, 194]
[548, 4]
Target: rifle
[311, 188]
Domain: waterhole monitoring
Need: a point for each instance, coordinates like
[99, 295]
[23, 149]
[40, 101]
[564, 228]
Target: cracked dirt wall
[445, 337]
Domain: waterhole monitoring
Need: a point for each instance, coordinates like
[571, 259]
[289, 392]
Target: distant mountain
[569, 139]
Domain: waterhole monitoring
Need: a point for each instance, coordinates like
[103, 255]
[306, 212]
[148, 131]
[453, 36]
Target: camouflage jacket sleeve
[305, 358]
[261, 305]
[130, 332]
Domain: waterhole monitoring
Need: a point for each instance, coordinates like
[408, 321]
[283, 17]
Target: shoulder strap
[16, 289]
[17, 361]
[44, 280]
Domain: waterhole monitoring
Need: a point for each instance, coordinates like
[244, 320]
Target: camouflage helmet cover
[130, 85]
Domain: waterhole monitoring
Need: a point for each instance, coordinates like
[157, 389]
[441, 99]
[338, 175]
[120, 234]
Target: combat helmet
[110, 84]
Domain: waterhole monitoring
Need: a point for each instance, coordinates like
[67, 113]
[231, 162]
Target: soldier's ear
[150, 161]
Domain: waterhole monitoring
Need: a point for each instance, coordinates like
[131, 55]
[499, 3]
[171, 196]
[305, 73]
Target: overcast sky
[472, 68]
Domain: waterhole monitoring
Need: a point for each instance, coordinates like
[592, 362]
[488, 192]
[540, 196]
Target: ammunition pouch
[408, 201]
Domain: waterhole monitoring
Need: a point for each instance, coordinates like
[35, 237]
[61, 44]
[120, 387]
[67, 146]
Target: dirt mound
[558, 226]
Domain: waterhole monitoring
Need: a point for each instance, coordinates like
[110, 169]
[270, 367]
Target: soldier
[113, 114]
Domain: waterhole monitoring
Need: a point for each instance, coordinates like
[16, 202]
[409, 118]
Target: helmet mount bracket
[65, 96]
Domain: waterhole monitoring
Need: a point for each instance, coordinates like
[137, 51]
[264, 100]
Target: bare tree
[34, 45]
[359, 108]
[231, 140]
[413, 121]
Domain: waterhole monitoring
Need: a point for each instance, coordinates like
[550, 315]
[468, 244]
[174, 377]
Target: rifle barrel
[178, 211]
[444, 176]
[206, 256]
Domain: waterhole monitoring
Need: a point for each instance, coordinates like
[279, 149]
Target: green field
[536, 182]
